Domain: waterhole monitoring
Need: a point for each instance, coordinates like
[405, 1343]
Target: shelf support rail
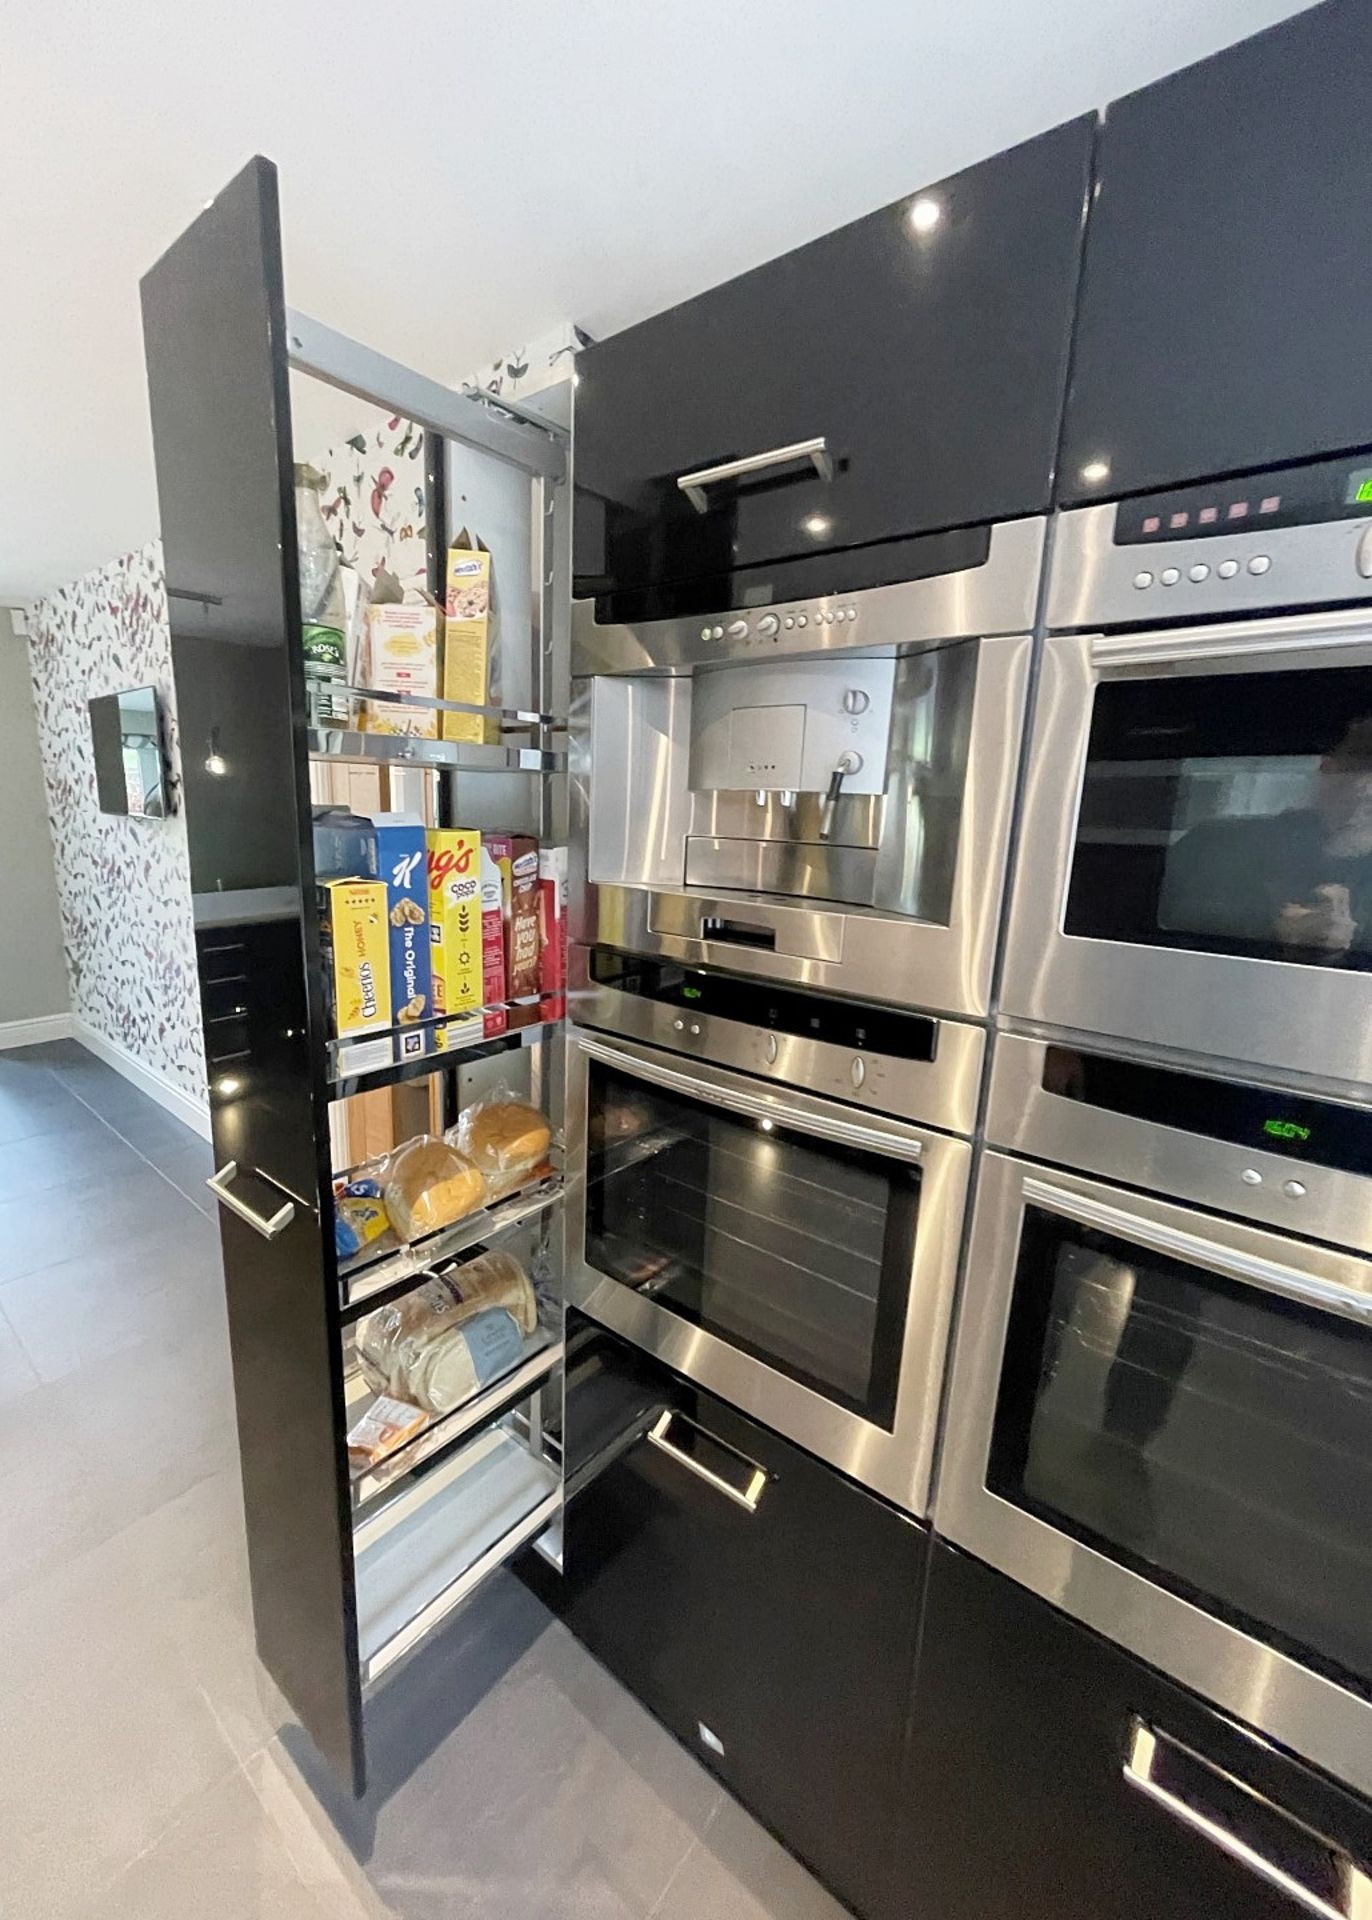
[328, 355]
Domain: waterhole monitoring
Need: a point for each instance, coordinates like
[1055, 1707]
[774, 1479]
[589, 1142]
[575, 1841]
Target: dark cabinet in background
[762, 1606]
[929, 359]
[1019, 1801]
[1227, 279]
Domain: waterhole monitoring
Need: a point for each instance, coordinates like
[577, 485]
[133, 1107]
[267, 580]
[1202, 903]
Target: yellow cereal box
[357, 953]
[455, 915]
[467, 642]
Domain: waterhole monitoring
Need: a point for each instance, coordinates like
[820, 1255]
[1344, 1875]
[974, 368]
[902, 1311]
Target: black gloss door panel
[1227, 280]
[1017, 1801]
[214, 334]
[785, 1631]
[932, 364]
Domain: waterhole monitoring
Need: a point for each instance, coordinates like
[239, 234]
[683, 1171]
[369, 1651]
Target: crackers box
[454, 874]
[397, 855]
[403, 644]
[467, 643]
[356, 954]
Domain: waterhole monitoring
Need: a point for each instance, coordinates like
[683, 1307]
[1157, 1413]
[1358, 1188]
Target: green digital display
[1287, 1129]
[692, 993]
[1359, 489]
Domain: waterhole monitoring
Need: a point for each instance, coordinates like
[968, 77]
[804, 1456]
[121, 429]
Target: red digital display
[1238, 510]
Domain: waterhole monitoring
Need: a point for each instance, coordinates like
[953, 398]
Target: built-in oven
[749, 1200]
[1160, 1403]
[1195, 859]
[812, 790]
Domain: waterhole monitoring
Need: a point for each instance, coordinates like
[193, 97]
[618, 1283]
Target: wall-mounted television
[131, 775]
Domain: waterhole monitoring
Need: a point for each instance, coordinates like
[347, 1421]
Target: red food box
[552, 928]
[516, 855]
[492, 941]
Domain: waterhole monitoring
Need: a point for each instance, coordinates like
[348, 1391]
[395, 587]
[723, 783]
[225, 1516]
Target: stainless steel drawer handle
[816, 451]
[270, 1225]
[1148, 1748]
[745, 1497]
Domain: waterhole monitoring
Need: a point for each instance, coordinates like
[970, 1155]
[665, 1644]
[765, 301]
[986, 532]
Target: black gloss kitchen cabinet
[353, 1567]
[1053, 1774]
[901, 375]
[761, 1605]
[1227, 279]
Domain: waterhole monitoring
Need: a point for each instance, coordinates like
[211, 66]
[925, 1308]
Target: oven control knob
[771, 1049]
[857, 1073]
[738, 629]
[856, 700]
[767, 626]
[1251, 1177]
[1294, 1189]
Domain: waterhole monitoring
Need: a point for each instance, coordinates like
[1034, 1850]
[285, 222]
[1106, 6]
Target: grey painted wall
[33, 971]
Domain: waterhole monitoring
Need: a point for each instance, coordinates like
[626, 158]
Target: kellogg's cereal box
[454, 866]
[396, 854]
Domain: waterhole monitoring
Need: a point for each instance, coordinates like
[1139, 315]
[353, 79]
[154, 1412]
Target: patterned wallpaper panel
[123, 885]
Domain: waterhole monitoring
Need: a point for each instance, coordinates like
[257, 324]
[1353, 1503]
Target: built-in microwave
[1160, 1402]
[1195, 859]
[749, 1201]
[813, 791]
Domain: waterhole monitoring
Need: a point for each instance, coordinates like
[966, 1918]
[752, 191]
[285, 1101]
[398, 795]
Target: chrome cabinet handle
[1145, 1746]
[693, 485]
[746, 1497]
[268, 1226]
[1249, 1269]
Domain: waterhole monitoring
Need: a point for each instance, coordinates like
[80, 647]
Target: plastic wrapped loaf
[429, 1184]
[505, 1139]
[436, 1346]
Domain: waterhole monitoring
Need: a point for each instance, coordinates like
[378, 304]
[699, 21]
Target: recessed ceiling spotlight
[925, 214]
[817, 525]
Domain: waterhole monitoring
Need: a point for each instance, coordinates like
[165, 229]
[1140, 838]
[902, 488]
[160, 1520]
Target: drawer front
[739, 1586]
[1052, 1773]
[930, 363]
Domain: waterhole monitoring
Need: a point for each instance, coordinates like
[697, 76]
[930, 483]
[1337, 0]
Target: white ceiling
[458, 175]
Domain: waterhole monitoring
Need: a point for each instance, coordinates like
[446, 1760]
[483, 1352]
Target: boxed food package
[492, 944]
[467, 641]
[403, 645]
[454, 872]
[357, 959]
[552, 927]
[396, 855]
[516, 855]
[341, 840]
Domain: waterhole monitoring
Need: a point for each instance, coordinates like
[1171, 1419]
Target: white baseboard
[29, 1033]
[190, 1111]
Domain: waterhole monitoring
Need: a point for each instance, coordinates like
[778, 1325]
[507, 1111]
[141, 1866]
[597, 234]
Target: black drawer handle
[746, 1497]
[739, 933]
[1176, 1778]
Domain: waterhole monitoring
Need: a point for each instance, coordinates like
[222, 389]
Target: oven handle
[1249, 1269]
[844, 1133]
[1147, 1743]
[1110, 650]
[816, 451]
[658, 1435]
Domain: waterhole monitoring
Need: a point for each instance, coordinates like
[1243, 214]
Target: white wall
[33, 972]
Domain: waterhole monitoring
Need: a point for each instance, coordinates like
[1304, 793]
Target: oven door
[1195, 867]
[792, 1255]
[1161, 1421]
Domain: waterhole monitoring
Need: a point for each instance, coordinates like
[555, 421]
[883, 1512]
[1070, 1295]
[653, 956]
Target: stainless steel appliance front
[816, 792]
[1158, 1416]
[1195, 860]
[794, 1255]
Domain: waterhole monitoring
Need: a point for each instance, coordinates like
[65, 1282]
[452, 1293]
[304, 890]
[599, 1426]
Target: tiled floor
[144, 1774]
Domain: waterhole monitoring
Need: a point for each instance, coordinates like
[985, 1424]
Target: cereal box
[402, 657]
[356, 954]
[492, 943]
[396, 853]
[455, 918]
[516, 854]
[552, 925]
[467, 641]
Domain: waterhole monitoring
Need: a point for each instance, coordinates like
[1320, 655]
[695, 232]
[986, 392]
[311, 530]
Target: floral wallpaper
[123, 886]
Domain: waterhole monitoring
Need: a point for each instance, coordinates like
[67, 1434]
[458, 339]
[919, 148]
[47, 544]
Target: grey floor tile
[45, 1163]
[107, 1210]
[18, 1375]
[221, 1859]
[103, 1739]
[188, 1167]
[39, 1107]
[736, 1871]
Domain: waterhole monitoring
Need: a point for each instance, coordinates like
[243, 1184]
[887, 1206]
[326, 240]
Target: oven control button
[1144, 579]
[771, 1049]
[705, 633]
[790, 621]
[767, 626]
[1259, 563]
[1198, 573]
[738, 629]
[1170, 576]
[801, 621]
[1251, 1177]
[678, 1026]
[1227, 569]
[857, 1073]
[1294, 1189]
[694, 1027]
